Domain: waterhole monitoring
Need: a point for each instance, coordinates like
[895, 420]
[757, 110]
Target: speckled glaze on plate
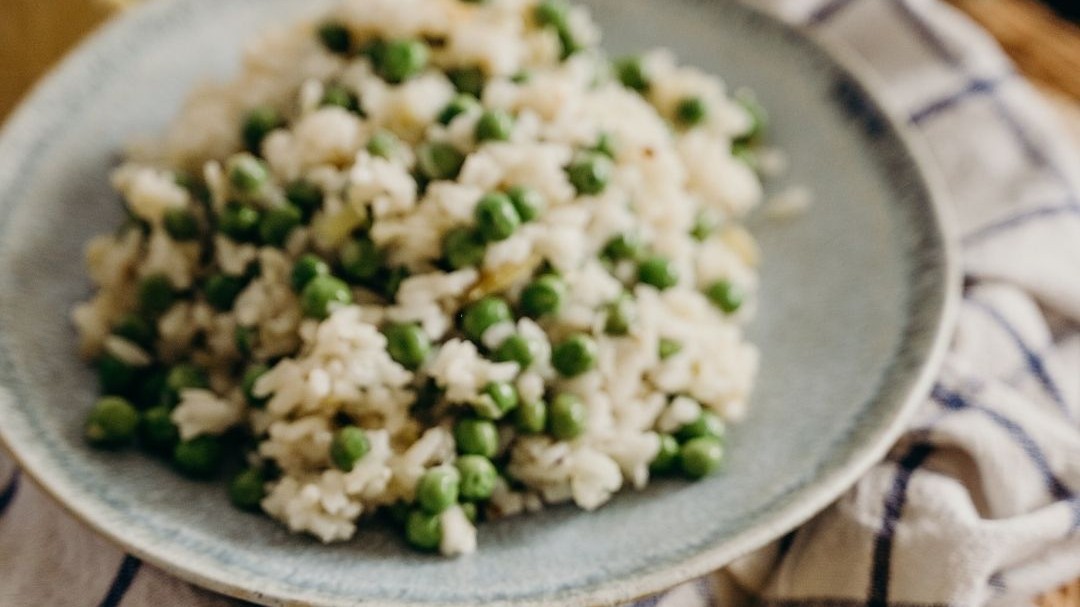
[857, 307]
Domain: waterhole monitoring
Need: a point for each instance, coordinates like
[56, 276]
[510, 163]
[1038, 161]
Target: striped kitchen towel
[978, 504]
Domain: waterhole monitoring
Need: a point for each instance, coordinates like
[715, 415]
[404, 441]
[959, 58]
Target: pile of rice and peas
[433, 258]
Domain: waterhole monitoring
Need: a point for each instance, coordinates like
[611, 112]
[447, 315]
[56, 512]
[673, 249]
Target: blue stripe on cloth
[7, 494]
[938, 46]
[1033, 361]
[926, 33]
[1069, 207]
[826, 12]
[122, 582]
[977, 86]
[894, 509]
[955, 401]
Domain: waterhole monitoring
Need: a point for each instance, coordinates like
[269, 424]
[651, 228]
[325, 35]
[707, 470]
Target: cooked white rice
[338, 370]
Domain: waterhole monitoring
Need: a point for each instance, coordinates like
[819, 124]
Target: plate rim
[812, 500]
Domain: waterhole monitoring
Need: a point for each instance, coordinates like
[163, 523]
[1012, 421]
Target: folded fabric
[978, 504]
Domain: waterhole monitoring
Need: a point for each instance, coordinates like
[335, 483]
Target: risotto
[438, 261]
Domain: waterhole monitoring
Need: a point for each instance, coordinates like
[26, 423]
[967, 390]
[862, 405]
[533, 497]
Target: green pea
[531, 416]
[335, 37]
[360, 259]
[632, 74]
[244, 339]
[199, 457]
[499, 398]
[478, 476]
[349, 445]
[552, 13]
[469, 80]
[516, 348]
[528, 203]
[383, 144]
[156, 294]
[476, 437]
[184, 377]
[423, 530]
[758, 120]
[137, 330]
[389, 281]
[668, 348]
[463, 248]
[521, 77]
[470, 511]
[700, 456]
[251, 376]
[746, 154]
[157, 431]
[496, 218]
[408, 345]
[590, 173]
[439, 161]
[112, 422]
[322, 295]
[543, 296]
[438, 489]
[494, 125]
[221, 291]
[624, 246]
[574, 356]
[374, 51]
[667, 457]
[194, 186]
[460, 104]
[336, 95]
[247, 489]
[691, 111]
[248, 174]
[239, 222]
[620, 316]
[151, 390]
[658, 272]
[484, 314]
[704, 226]
[181, 224]
[259, 123]
[567, 417]
[707, 424]
[725, 295]
[278, 223]
[605, 144]
[307, 268]
[116, 376]
[567, 42]
[306, 196]
[403, 59]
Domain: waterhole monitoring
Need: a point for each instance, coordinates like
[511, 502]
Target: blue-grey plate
[857, 302]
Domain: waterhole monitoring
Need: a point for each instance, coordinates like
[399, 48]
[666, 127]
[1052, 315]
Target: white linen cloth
[978, 504]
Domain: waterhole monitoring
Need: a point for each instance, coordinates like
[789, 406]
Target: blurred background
[1043, 38]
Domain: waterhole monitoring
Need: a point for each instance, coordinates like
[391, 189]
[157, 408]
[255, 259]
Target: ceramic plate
[857, 301]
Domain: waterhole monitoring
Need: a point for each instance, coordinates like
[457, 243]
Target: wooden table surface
[35, 33]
